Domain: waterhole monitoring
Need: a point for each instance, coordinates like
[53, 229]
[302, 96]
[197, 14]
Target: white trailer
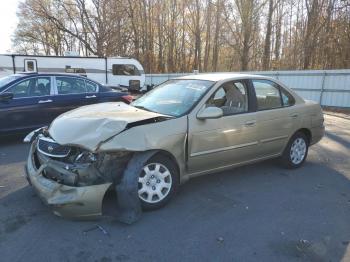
[113, 71]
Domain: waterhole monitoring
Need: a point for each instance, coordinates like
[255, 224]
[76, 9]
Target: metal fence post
[322, 87]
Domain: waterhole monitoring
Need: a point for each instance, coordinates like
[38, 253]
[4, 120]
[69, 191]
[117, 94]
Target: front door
[226, 141]
[27, 109]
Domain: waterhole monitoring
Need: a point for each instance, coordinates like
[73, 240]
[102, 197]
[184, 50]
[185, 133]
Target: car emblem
[50, 148]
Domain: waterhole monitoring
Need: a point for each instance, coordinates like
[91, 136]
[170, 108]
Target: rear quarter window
[91, 87]
[287, 98]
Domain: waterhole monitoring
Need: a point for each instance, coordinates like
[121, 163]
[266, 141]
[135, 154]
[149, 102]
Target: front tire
[296, 151]
[158, 182]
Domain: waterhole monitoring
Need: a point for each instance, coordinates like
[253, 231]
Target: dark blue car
[30, 101]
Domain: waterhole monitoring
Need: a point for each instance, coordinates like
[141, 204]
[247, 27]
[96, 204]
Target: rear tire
[158, 182]
[296, 151]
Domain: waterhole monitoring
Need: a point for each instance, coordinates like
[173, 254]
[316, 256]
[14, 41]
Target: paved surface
[254, 213]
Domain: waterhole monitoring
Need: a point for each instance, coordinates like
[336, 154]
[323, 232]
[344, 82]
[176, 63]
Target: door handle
[93, 96]
[250, 123]
[45, 101]
[294, 115]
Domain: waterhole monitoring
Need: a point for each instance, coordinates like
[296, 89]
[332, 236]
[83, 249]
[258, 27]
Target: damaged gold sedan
[185, 127]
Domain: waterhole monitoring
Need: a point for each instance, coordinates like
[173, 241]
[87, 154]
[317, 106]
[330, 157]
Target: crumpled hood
[88, 126]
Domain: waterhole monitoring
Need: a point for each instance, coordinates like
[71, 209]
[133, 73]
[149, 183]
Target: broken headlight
[85, 157]
[32, 135]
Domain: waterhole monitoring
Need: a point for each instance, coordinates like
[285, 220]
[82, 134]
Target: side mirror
[210, 113]
[4, 97]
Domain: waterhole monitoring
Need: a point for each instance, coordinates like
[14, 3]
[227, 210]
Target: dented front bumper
[65, 201]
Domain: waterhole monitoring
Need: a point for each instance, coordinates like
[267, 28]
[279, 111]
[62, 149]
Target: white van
[112, 71]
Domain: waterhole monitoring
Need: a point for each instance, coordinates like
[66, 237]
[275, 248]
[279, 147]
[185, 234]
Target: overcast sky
[8, 23]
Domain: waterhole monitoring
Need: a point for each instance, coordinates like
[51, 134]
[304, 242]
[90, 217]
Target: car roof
[23, 75]
[221, 76]
[47, 74]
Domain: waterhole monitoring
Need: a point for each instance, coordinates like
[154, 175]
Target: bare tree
[267, 46]
[178, 35]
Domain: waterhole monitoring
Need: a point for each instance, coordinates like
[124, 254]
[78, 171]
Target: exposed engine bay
[75, 166]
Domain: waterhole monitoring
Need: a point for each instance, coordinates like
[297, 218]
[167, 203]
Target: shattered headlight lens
[32, 135]
[85, 157]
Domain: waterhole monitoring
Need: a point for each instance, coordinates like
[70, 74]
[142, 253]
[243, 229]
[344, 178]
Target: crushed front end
[72, 180]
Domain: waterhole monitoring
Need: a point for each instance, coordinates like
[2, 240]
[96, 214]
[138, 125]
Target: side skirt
[232, 166]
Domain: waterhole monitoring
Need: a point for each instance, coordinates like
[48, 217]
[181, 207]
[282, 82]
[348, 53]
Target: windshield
[174, 97]
[7, 79]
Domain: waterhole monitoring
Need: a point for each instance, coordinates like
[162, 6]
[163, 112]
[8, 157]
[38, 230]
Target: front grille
[49, 147]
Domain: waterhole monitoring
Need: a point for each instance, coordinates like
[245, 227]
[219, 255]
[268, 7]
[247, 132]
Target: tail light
[128, 98]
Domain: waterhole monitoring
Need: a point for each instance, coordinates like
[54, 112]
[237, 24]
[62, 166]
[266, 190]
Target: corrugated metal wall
[329, 87]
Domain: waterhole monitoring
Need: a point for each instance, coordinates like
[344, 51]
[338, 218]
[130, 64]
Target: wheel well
[307, 133]
[171, 157]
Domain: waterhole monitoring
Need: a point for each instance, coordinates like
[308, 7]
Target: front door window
[231, 97]
[38, 86]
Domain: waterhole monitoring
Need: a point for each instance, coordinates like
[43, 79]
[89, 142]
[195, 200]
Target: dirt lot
[254, 213]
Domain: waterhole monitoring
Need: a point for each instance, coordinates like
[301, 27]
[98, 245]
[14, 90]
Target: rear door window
[267, 94]
[70, 85]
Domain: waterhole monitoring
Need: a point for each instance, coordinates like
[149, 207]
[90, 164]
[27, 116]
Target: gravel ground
[254, 213]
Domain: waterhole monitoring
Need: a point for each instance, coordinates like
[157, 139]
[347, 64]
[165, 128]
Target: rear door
[29, 107]
[275, 117]
[72, 92]
[92, 92]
